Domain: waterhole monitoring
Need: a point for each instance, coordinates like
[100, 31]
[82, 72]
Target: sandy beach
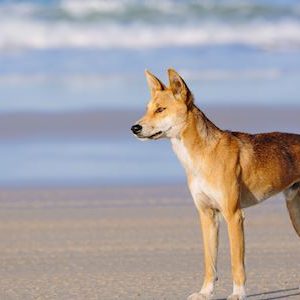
[132, 243]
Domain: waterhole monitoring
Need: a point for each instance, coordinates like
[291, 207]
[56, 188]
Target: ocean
[60, 60]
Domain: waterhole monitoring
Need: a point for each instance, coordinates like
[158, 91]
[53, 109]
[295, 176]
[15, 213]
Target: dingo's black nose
[136, 128]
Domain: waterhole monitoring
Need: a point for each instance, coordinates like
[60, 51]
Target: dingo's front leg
[210, 231]
[237, 248]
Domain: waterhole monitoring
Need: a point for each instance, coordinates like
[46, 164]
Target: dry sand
[132, 243]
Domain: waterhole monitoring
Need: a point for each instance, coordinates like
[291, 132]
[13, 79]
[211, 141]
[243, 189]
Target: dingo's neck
[198, 135]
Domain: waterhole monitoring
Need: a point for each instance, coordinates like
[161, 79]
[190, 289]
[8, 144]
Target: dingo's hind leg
[292, 197]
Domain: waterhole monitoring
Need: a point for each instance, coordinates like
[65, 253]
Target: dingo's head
[167, 109]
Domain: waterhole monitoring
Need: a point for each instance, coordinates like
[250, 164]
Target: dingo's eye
[160, 109]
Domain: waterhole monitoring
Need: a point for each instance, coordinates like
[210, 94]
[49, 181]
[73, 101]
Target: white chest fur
[202, 191]
[182, 154]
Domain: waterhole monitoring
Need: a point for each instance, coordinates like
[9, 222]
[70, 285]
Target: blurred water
[73, 56]
[60, 163]
[148, 23]
[66, 80]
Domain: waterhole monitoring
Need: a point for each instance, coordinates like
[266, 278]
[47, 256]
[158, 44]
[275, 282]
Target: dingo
[226, 171]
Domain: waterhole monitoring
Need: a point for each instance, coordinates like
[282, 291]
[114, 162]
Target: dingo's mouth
[155, 135]
[150, 137]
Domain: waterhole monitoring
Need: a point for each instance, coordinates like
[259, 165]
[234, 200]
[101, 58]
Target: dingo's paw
[199, 296]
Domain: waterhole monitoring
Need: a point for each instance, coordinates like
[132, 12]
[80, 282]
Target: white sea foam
[33, 34]
[138, 24]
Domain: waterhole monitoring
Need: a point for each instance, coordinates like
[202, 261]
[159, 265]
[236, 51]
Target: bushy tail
[293, 205]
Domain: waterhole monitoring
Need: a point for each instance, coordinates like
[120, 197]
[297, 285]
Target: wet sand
[132, 243]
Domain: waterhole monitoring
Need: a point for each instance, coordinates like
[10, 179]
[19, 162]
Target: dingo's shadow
[271, 295]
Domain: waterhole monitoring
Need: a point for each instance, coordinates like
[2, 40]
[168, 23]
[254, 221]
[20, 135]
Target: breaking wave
[140, 24]
[22, 34]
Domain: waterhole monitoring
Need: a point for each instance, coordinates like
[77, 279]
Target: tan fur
[226, 171]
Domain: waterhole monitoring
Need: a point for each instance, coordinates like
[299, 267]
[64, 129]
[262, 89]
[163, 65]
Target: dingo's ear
[179, 87]
[154, 83]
